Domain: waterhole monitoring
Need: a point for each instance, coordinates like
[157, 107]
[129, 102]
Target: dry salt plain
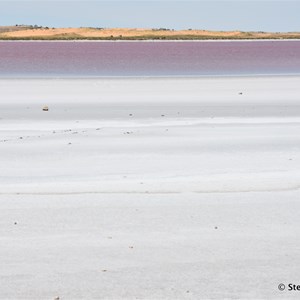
[149, 188]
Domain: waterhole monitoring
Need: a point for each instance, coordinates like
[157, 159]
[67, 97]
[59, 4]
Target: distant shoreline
[148, 40]
[29, 32]
[151, 41]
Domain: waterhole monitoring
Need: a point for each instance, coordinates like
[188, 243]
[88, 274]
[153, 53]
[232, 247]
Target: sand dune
[132, 33]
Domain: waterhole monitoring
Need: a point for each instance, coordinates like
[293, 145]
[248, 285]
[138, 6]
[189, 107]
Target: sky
[245, 15]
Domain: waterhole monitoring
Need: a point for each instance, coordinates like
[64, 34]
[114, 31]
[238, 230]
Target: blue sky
[256, 15]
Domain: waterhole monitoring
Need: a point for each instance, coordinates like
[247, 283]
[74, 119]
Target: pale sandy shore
[25, 32]
[149, 188]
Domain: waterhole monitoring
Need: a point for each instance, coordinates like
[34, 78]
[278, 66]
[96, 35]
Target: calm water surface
[84, 59]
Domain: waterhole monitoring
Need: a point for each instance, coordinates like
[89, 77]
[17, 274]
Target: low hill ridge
[28, 32]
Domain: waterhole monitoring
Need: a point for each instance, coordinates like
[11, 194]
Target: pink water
[85, 59]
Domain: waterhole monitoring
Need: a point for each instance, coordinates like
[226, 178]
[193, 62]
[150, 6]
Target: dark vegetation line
[143, 38]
